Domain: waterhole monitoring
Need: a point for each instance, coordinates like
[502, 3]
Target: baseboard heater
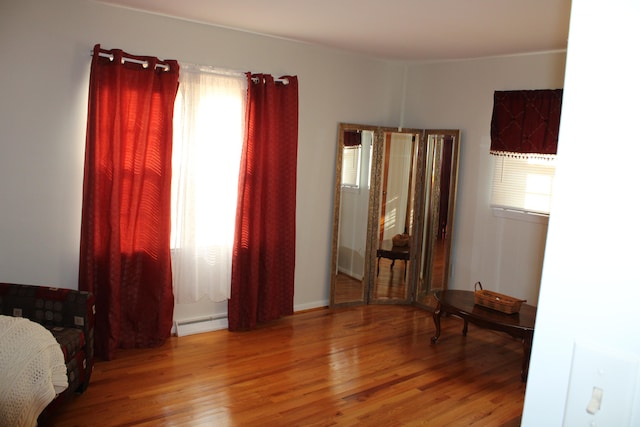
[196, 325]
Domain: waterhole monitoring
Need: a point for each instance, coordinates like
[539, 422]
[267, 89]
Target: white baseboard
[309, 306]
[198, 326]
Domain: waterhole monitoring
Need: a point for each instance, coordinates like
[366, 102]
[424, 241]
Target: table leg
[526, 344]
[465, 328]
[436, 321]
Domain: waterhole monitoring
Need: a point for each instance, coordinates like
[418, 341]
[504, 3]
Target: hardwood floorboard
[370, 365]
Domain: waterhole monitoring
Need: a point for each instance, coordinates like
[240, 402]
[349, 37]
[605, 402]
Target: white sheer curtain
[209, 119]
[398, 184]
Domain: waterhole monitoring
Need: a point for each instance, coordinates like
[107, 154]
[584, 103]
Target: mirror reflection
[396, 215]
[439, 205]
[393, 214]
[354, 160]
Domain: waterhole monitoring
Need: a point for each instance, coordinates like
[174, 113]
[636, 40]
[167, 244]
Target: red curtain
[264, 248]
[526, 122]
[126, 207]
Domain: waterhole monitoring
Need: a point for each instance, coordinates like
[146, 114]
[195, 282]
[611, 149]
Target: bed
[32, 370]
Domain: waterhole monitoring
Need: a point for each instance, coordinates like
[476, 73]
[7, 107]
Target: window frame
[357, 160]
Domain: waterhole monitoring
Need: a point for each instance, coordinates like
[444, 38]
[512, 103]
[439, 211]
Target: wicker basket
[400, 240]
[496, 301]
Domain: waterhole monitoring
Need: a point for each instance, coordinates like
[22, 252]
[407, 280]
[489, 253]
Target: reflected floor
[425, 296]
[348, 289]
[391, 283]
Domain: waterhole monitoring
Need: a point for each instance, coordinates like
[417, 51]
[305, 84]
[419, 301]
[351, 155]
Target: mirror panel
[441, 176]
[395, 204]
[394, 209]
[354, 158]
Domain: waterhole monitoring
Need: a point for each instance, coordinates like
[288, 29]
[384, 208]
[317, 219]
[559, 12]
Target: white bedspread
[32, 371]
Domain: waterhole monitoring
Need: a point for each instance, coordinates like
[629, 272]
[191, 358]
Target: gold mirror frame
[391, 282]
[418, 275]
[347, 290]
[433, 267]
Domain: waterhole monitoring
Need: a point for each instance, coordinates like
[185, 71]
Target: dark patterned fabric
[69, 315]
[525, 123]
[71, 340]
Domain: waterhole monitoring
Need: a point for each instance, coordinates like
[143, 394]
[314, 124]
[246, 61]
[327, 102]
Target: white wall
[504, 254]
[44, 46]
[591, 281]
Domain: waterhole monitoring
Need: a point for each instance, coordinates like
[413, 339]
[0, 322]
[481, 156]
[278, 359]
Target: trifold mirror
[394, 208]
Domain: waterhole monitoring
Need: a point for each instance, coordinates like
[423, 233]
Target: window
[523, 184]
[209, 115]
[351, 166]
[524, 136]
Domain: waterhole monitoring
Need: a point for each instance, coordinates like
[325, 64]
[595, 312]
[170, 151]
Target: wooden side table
[461, 303]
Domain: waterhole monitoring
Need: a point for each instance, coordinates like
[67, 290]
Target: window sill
[520, 215]
[350, 189]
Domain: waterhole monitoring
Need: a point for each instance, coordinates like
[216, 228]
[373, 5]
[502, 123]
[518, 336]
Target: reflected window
[351, 166]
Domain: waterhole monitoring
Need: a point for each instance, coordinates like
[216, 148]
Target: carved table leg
[526, 344]
[465, 328]
[436, 321]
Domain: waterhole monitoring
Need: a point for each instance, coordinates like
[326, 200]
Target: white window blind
[523, 184]
[351, 166]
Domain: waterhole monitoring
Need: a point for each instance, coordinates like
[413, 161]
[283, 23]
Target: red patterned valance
[352, 138]
[525, 123]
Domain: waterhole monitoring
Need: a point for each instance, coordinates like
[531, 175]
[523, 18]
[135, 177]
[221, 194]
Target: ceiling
[405, 30]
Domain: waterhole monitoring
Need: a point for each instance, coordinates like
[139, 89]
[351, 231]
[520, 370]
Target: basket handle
[478, 284]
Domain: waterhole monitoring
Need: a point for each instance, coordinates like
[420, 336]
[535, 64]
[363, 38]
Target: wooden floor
[369, 365]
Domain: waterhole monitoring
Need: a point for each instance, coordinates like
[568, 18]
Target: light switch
[601, 387]
[596, 401]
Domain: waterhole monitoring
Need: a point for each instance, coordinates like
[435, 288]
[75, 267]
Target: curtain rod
[145, 64]
[283, 81]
